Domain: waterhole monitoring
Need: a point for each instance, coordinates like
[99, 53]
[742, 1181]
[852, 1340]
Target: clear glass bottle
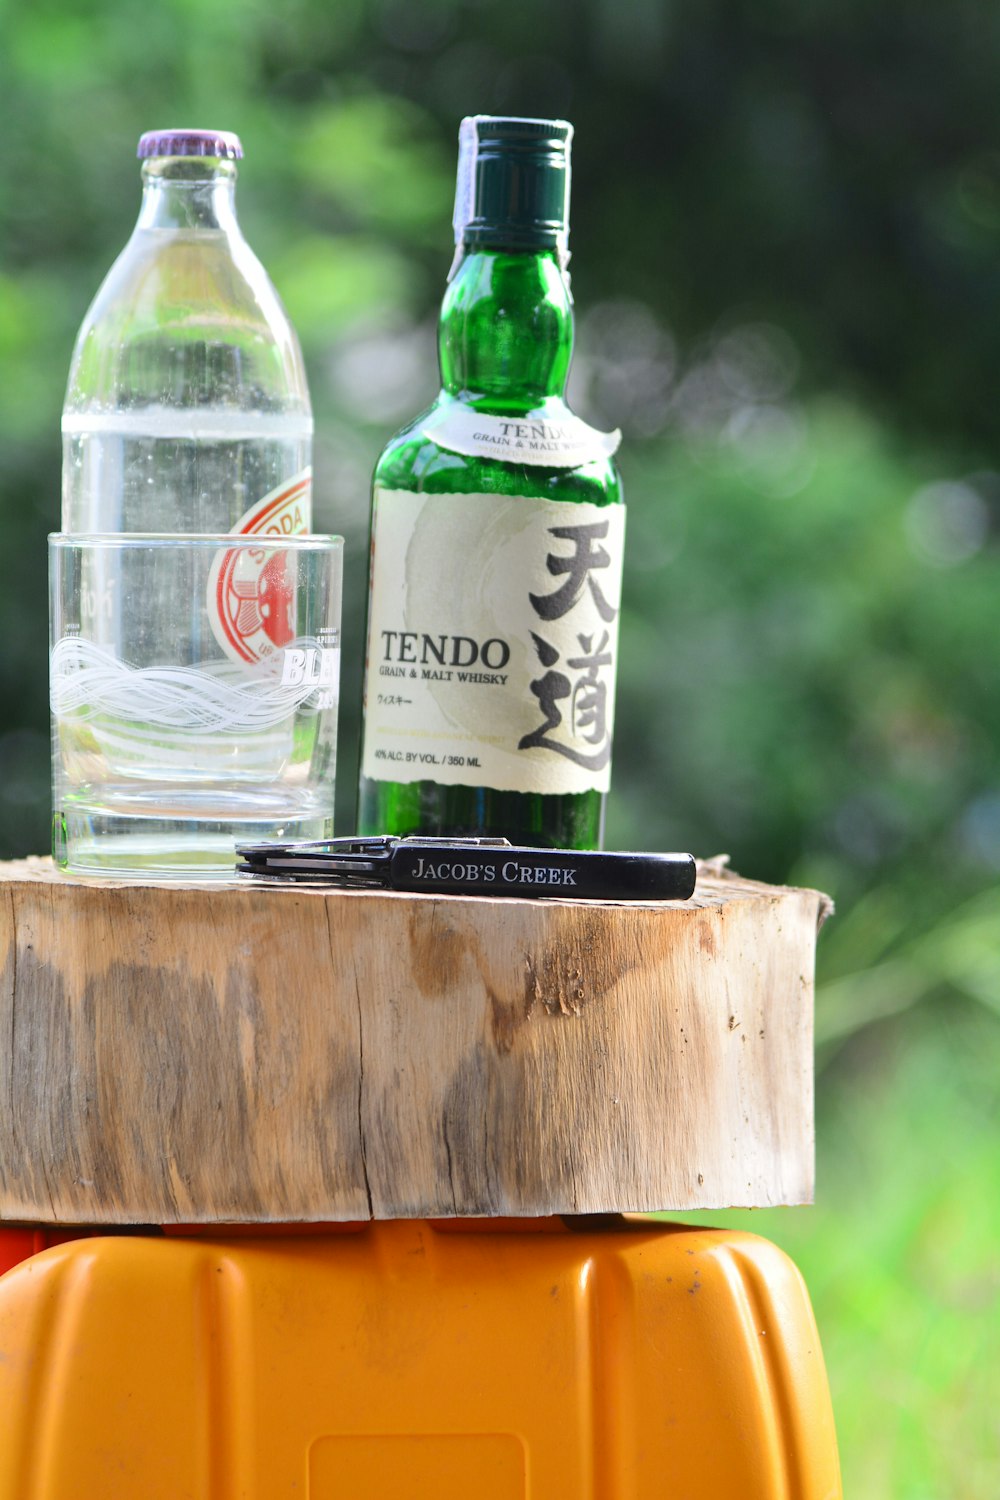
[187, 407]
[497, 535]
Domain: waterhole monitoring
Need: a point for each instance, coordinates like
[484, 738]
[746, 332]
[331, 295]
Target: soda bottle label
[564, 442]
[250, 603]
[493, 641]
[285, 511]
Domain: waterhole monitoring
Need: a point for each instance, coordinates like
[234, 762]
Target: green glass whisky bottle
[497, 537]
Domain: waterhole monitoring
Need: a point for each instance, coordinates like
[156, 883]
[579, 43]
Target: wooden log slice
[205, 1054]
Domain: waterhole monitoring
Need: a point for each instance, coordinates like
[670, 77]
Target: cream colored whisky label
[493, 641]
[563, 442]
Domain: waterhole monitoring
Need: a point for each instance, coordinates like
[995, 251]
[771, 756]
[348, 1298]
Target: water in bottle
[187, 407]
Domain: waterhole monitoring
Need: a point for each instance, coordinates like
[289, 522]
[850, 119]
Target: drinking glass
[194, 685]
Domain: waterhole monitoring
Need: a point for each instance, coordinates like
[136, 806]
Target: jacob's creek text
[507, 873]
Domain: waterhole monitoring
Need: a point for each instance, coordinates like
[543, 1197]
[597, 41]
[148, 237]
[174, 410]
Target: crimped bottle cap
[190, 143]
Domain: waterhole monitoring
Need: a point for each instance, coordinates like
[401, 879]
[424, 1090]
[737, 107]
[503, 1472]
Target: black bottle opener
[473, 867]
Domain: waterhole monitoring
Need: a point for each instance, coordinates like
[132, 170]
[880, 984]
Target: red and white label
[251, 592]
[286, 511]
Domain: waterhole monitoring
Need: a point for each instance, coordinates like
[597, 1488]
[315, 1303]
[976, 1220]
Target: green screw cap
[513, 183]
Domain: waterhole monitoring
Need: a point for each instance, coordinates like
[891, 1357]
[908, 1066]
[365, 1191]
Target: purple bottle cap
[190, 143]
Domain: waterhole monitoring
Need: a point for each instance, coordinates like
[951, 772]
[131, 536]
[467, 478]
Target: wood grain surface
[206, 1054]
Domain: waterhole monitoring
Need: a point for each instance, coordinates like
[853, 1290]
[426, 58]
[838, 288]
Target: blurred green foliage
[785, 223]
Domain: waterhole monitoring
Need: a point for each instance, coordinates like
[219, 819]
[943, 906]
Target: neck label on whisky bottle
[492, 641]
[551, 442]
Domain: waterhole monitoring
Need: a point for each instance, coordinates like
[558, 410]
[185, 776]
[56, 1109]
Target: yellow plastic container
[397, 1361]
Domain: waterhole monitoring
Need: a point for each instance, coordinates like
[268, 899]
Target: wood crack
[361, 1089]
[451, 1169]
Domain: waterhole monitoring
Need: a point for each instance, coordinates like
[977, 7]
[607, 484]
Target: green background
[786, 236]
